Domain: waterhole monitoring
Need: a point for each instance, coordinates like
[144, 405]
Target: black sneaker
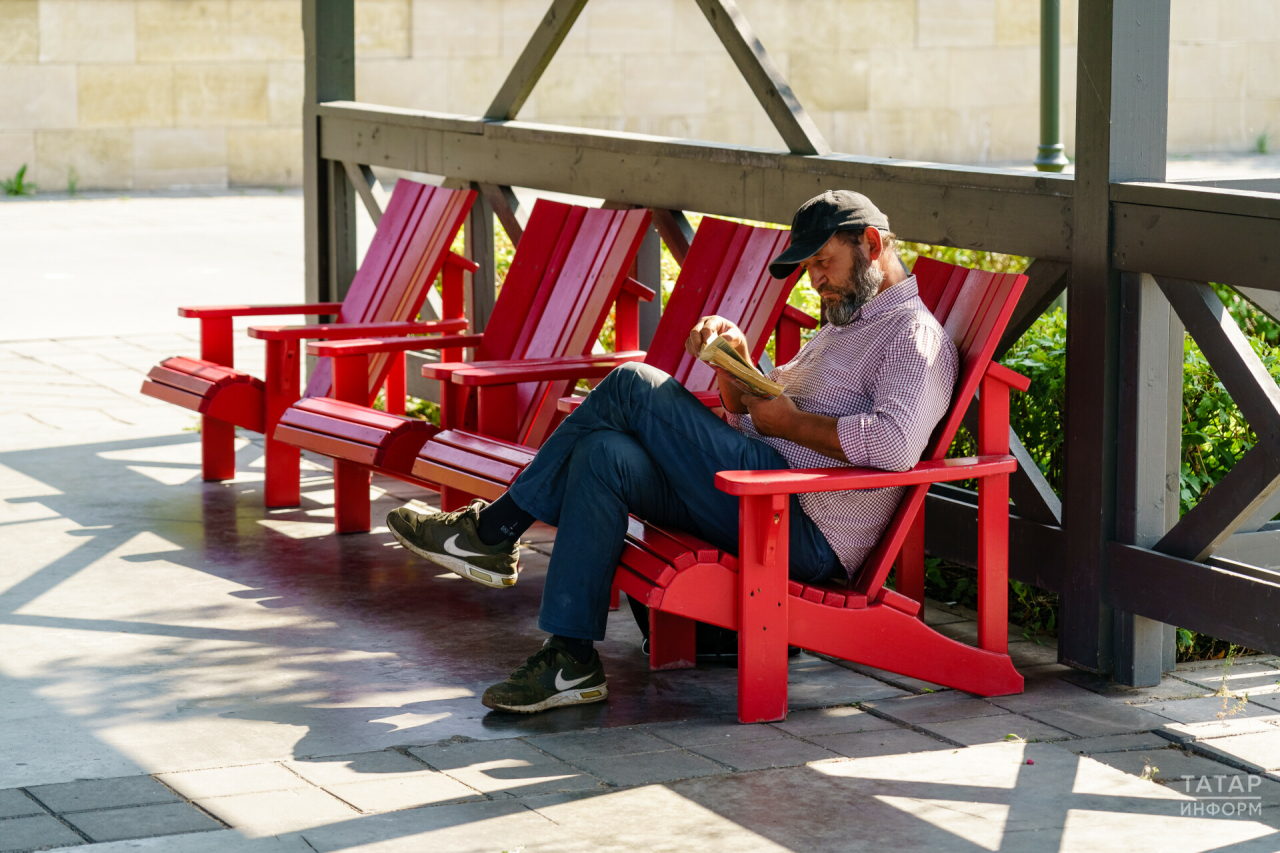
[549, 679]
[450, 539]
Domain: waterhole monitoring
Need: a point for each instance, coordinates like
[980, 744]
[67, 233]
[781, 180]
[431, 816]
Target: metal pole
[1050, 156]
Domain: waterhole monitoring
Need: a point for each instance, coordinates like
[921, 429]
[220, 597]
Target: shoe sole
[461, 568]
[580, 696]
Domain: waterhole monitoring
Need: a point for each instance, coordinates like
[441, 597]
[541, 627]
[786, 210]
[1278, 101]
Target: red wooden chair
[683, 580]
[410, 248]
[569, 270]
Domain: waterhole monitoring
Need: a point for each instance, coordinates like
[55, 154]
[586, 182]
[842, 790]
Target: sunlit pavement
[179, 666]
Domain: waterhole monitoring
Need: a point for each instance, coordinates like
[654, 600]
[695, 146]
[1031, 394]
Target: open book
[719, 353]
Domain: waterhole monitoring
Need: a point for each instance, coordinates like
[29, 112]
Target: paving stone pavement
[185, 672]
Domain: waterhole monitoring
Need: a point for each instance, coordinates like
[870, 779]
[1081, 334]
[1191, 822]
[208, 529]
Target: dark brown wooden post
[328, 28]
[1121, 126]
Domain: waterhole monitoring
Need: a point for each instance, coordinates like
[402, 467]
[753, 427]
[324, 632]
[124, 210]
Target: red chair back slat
[589, 284]
[974, 308]
[727, 273]
[403, 260]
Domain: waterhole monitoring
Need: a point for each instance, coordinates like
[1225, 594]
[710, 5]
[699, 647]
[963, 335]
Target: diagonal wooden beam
[675, 230]
[1267, 301]
[1030, 491]
[1045, 282]
[1237, 366]
[508, 210]
[534, 59]
[363, 180]
[766, 81]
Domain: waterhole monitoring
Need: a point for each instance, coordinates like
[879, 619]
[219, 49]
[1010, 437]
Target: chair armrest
[638, 290]
[794, 314]
[459, 261]
[209, 312]
[1012, 378]
[346, 331]
[805, 480]
[368, 346]
[542, 370]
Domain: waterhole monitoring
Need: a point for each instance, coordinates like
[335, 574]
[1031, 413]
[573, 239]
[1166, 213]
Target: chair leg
[672, 641]
[615, 600]
[452, 499]
[217, 449]
[283, 475]
[911, 563]
[351, 497]
[763, 557]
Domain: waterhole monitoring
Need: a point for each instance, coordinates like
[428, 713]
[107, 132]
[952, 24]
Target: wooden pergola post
[329, 35]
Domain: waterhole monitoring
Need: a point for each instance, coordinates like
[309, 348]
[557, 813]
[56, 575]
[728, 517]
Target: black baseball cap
[818, 219]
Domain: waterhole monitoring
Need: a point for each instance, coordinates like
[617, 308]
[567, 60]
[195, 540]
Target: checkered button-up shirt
[887, 377]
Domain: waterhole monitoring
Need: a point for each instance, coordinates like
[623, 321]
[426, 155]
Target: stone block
[470, 28]
[1246, 20]
[918, 79]
[1047, 693]
[830, 721]
[274, 812]
[690, 733]
[980, 730]
[427, 787]
[125, 95]
[649, 768]
[14, 803]
[1018, 22]
[871, 24]
[228, 781]
[956, 23]
[264, 157]
[1263, 62]
[142, 822]
[813, 26]
[1193, 21]
[37, 97]
[101, 159]
[102, 794]
[20, 23]
[996, 77]
[760, 754]
[1259, 751]
[285, 91]
[578, 86]
[41, 832]
[622, 26]
[1209, 72]
[384, 28]
[662, 85]
[190, 31]
[180, 157]
[571, 746]
[1011, 141]
[1245, 676]
[1117, 743]
[1107, 718]
[1210, 709]
[831, 80]
[1170, 765]
[17, 148]
[935, 707]
[868, 744]
[87, 31]
[472, 82]
[724, 90]
[506, 766]
[518, 21]
[1188, 732]
[265, 29]
[220, 95]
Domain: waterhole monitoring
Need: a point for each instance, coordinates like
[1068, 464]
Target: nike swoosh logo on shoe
[453, 549]
[561, 684]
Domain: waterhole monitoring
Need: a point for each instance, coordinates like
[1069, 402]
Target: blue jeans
[642, 444]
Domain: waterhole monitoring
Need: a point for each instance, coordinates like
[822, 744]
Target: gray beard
[862, 286]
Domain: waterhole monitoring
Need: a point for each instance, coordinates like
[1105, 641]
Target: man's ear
[875, 244]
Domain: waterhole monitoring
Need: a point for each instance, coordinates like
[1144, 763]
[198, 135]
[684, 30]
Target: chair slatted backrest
[407, 252]
[974, 308]
[727, 273]
[565, 276]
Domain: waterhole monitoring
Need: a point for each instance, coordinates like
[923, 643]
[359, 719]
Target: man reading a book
[867, 390]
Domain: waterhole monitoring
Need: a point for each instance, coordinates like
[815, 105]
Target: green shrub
[18, 184]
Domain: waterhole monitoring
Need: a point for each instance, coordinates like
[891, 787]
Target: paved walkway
[183, 668]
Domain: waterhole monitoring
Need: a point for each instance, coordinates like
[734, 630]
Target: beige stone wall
[163, 93]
